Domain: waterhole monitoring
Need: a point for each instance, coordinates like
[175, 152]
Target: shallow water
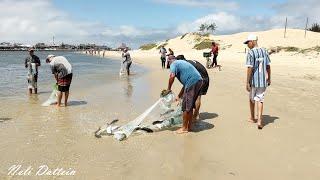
[35, 135]
[87, 70]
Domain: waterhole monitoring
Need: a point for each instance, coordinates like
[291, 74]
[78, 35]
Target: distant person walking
[62, 70]
[205, 84]
[258, 77]
[215, 52]
[32, 63]
[191, 80]
[171, 53]
[163, 53]
[127, 59]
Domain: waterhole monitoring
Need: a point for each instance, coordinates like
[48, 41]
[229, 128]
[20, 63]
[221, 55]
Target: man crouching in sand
[191, 80]
[62, 70]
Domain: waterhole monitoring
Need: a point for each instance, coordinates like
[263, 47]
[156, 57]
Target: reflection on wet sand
[127, 86]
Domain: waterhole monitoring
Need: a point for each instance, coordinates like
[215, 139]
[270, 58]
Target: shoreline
[224, 142]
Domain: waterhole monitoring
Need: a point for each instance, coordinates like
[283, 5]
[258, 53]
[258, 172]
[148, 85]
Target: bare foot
[252, 120]
[181, 131]
[260, 126]
[57, 105]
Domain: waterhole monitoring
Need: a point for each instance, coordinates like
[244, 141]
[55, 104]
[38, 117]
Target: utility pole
[305, 30]
[285, 28]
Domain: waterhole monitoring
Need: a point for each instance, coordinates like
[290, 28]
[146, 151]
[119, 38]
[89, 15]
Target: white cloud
[225, 22]
[218, 4]
[38, 20]
[298, 11]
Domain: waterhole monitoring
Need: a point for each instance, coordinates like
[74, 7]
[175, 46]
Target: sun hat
[251, 37]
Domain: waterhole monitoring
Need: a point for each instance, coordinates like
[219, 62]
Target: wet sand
[225, 145]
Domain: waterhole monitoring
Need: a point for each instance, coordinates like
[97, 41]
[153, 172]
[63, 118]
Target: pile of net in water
[161, 115]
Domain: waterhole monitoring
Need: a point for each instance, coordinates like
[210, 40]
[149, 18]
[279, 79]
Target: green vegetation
[294, 49]
[315, 27]
[201, 37]
[164, 44]
[184, 35]
[291, 49]
[204, 28]
[287, 49]
[205, 44]
[316, 49]
[146, 47]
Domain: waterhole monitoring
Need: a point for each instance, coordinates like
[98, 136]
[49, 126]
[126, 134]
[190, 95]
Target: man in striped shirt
[258, 76]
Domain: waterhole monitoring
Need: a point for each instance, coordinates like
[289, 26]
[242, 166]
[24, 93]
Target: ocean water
[88, 71]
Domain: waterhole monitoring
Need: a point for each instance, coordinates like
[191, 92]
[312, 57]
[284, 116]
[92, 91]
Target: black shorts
[163, 59]
[36, 77]
[63, 88]
[205, 87]
[190, 96]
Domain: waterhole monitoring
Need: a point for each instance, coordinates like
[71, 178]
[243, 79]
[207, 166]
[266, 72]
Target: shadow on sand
[201, 124]
[206, 115]
[267, 119]
[5, 119]
[77, 103]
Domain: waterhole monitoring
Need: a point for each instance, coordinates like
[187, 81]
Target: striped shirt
[258, 59]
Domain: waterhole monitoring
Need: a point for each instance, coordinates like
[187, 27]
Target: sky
[136, 22]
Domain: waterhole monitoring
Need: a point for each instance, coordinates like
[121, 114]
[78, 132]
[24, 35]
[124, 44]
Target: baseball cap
[251, 37]
[30, 49]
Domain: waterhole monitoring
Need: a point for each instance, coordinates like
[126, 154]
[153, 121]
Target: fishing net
[53, 96]
[32, 76]
[123, 68]
[162, 114]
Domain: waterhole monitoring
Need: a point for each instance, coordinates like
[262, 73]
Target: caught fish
[107, 129]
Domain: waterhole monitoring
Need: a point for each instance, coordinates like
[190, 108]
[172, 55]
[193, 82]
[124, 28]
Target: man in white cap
[258, 77]
[32, 62]
[62, 70]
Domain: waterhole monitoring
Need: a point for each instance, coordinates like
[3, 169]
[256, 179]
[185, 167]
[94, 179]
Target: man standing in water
[32, 62]
[258, 77]
[62, 70]
[163, 53]
[191, 80]
[127, 59]
[205, 84]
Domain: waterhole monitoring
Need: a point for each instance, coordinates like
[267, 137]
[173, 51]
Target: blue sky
[150, 13]
[136, 22]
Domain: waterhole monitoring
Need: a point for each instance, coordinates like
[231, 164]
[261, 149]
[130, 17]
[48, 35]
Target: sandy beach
[224, 145]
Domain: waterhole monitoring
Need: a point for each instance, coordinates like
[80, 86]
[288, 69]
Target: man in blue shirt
[258, 76]
[205, 82]
[191, 80]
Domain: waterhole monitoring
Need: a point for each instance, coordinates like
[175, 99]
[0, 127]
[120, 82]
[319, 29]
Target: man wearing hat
[258, 77]
[30, 62]
[62, 70]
